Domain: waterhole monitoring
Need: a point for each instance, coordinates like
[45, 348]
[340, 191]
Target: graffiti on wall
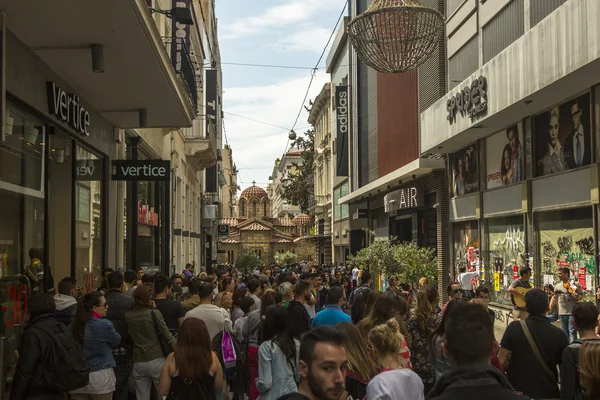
[507, 253]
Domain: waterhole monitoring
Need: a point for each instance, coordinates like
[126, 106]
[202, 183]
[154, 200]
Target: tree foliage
[298, 188]
[407, 261]
[287, 258]
[247, 262]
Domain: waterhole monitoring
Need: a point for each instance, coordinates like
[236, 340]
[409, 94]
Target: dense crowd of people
[298, 333]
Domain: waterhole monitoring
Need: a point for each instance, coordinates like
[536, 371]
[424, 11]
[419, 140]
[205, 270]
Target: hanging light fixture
[395, 36]
[292, 135]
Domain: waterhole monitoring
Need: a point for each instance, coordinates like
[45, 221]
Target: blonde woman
[361, 368]
[395, 381]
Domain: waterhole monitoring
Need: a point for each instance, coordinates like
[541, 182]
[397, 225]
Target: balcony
[317, 204]
[200, 151]
[137, 70]
[188, 73]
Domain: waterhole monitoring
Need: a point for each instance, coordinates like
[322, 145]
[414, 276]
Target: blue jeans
[568, 327]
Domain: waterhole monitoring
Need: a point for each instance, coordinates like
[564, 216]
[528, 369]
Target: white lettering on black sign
[67, 108]
[402, 199]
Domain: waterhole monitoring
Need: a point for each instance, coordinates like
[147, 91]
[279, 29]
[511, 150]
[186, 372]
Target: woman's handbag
[164, 345]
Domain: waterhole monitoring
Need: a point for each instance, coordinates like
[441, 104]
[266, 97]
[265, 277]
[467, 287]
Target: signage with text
[212, 109]
[67, 108]
[223, 230]
[341, 116]
[141, 170]
[470, 101]
[405, 198]
[181, 36]
[88, 170]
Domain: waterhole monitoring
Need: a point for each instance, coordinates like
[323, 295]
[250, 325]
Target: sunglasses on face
[456, 290]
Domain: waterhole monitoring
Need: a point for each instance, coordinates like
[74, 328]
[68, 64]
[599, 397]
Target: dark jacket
[570, 386]
[298, 318]
[66, 308]
[27, 382]
[118, 304]
[141, 328]
[474, 382]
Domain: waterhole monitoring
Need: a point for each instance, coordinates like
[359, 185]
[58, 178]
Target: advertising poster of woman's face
[505, 161]
[562, 137]
[464, 171]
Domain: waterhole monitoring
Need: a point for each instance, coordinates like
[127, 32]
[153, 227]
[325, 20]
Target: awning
[411, 171]
[138, 72]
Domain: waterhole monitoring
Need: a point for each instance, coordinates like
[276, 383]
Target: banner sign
[212, 104]
[341, 116]
[141, 170]
[181, 36]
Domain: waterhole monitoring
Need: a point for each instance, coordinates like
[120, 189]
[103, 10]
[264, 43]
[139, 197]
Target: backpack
[64, 366]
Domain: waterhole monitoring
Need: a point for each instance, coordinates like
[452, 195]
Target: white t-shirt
[238, 327]
[310, 308]
[397, 384]
[355, 272]
[466, 280]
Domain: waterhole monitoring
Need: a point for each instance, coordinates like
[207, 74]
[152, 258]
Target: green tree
[380, 256]
[298, 188]
[287, 258]
[415, 262]
[247, 262]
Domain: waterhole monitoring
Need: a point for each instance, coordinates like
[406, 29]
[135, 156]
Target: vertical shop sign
[3, 76]
[515, 272]
[181, 36]
[582, 278]
[212, 104]
[341, 116]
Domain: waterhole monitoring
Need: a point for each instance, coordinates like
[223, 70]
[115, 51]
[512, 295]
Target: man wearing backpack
[50, 362]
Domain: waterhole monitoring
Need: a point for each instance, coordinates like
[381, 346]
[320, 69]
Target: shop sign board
[141, 170]
[505, 157]
[181, 36]
[360, 213]
[68, 109]
[89, 170]
[341, 117]
[146, 215]
[212, 110]
[223, 230]
[470, 101]
[405, 198]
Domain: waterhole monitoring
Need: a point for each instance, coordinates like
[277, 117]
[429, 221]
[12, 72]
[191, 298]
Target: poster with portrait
[505, 157]
[464, 171]
[562, 137]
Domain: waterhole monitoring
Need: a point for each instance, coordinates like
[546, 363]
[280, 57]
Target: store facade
[522, 146]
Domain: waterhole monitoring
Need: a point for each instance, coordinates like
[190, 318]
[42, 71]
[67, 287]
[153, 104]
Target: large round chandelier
[395, 36]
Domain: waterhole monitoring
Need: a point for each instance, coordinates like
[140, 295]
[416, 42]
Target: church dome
[254, 191]
[302, 219]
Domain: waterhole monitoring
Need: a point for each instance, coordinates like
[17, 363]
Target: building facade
[230, 188]
[523, 153]
[283, 168]
[320, 205]
[395, 189]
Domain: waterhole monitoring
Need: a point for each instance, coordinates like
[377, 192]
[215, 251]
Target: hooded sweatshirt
[476, 381]
[66, 307]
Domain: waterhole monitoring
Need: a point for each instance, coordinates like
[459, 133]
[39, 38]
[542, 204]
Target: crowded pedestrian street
[300, 200]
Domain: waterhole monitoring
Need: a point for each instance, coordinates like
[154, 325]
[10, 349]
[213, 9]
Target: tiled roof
[229, 221]
[254, 191]
[255, 227]
[283, 222]
[302, 219]
[230, 241]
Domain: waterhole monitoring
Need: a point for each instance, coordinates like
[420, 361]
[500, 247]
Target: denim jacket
[276, 375]
[99, 339]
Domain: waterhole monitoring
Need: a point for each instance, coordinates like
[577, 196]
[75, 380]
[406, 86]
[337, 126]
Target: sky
[273, 32]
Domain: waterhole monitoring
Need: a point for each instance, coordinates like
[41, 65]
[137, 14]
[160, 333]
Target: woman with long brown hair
[361, 368]
[193, 371]
[389, 305]
[421, 326]
[589, 369]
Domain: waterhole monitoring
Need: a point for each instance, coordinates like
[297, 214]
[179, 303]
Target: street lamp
[292, 135]
[395, 36]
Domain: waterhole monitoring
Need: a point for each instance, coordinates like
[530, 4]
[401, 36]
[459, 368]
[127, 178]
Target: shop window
[561, 138]
[22, 194]
[506, 244]
[88, 224]
[567, 240]
[465, 171]
[466, 246]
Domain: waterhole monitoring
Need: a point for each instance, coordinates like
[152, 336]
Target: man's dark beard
[315, 387]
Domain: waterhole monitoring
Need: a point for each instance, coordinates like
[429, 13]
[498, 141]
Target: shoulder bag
[164, 345]
[536, 351]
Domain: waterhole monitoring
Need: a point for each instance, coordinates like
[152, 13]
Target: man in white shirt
[466, 282]
[216, 319]
[355, 272]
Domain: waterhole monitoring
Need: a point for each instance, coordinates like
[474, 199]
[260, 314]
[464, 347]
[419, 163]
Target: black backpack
[64, 366]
